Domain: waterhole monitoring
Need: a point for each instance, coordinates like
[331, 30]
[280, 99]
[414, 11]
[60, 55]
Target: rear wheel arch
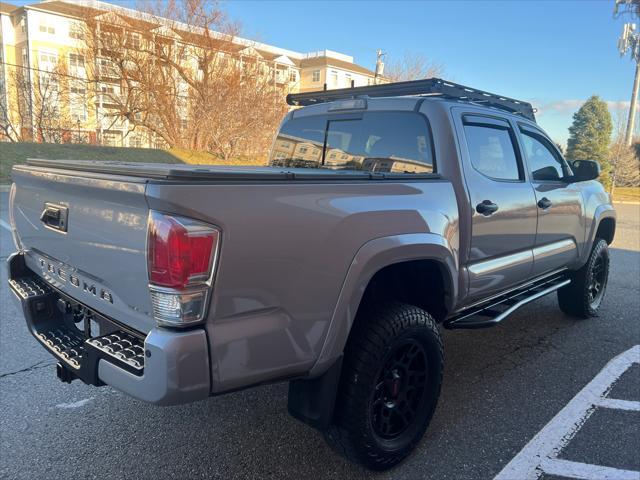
[424, 283]
[606, 229]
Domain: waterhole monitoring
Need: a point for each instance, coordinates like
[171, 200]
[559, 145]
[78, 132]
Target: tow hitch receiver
[64, 374]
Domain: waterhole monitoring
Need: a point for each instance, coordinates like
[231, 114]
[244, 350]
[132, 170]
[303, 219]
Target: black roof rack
[429, 86]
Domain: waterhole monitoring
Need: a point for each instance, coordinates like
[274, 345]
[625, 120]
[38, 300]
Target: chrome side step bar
[496, 310]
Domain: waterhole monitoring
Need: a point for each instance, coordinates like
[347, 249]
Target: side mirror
[584, 170]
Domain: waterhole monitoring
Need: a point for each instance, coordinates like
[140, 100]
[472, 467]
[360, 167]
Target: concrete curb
[626, 203]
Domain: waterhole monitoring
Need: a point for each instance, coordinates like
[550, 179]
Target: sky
[555, 54]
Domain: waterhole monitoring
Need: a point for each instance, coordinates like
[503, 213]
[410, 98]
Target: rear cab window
[391, 142]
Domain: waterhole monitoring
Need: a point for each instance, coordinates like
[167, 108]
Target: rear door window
[491, 150]
[396, 142]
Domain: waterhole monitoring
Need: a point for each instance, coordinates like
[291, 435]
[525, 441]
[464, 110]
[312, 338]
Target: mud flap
[312, 400]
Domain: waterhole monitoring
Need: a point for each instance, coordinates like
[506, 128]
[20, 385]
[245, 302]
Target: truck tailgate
[100, 259]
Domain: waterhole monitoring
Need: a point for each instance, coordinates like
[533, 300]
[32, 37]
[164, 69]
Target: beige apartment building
[35, 38]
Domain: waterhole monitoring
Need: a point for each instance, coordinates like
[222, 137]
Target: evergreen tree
[590, 135]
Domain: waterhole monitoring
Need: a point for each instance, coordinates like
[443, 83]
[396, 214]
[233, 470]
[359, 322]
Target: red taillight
[181, 251]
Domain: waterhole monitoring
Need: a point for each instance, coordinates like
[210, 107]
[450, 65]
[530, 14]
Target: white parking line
[585, 471]
[5, 225]
[78, 404]
[619, 404]
[540, 454]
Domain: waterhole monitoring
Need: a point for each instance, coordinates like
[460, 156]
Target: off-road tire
[383, 338]
[577, 299]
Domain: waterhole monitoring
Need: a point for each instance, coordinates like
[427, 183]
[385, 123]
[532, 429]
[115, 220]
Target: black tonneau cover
[171, 171]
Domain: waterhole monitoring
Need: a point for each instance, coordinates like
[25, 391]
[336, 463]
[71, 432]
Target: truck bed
[170, 171]
[285, 233]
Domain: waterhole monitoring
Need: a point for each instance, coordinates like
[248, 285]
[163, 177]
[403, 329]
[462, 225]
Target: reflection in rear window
[378, 142]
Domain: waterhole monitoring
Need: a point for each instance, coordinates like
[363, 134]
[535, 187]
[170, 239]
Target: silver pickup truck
[387, 212]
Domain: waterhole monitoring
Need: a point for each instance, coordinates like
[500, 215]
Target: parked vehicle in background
[387, 212]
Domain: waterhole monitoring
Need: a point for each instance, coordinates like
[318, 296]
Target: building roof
[138, 20]
[7, 8]
[64, 8]
[334, 62]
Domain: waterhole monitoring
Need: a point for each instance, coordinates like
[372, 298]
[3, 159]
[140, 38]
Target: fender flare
[368, 260]
[600, 213]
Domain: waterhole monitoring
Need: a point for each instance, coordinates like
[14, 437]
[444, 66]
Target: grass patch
[626, 194]
[206, 158]
[17, 153]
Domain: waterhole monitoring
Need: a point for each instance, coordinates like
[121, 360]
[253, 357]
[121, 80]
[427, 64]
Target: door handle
[486, 208]
[544, 203]
[55, 216]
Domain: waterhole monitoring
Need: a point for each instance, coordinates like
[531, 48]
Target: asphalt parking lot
[508, 392]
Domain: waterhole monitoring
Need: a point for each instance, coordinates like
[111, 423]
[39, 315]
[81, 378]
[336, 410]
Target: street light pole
[628, 137]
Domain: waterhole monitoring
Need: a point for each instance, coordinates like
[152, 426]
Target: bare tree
[50, 101]
[627, 164]
[15, 118]
[412, 66]
[177, 71]
[38, 112]
[624, 158]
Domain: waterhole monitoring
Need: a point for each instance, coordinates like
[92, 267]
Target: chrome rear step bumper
[164, 366]
[496, 310]
[52, 318]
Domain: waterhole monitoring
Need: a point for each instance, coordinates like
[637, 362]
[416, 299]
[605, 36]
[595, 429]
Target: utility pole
[380, 65]
[628, 136]
[630, 42]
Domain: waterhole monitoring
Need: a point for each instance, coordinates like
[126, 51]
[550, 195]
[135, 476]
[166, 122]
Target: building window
[347, 78]
[315, 76]
[79, 109]
[47, 29]
[76, 60]
[78, 87]
[47, 62]
[112, 139]
[293, 76]
[48, 58]
[334, 78]
[133, 40]
[135, 141]
[75, 31]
